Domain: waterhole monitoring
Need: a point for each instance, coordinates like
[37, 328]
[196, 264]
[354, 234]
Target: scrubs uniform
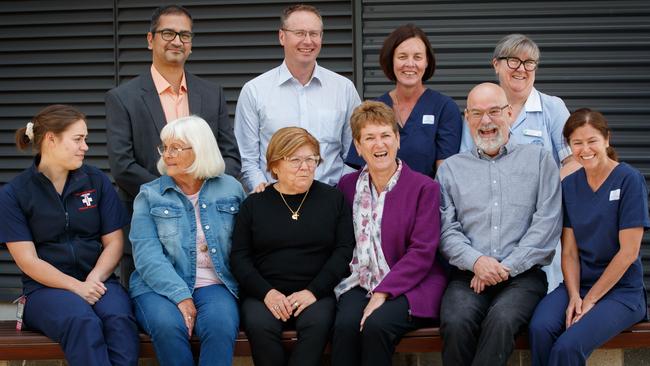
[621, 202]
[66, 231]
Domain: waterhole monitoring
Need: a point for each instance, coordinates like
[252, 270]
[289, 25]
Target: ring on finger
[276, 307]
[296, 304]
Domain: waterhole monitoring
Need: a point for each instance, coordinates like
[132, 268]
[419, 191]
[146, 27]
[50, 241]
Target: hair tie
[29, 130]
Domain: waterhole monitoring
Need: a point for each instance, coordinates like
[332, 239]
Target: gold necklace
[294, 214]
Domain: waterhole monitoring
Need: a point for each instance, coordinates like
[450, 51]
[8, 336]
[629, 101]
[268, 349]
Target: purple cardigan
[410, 234]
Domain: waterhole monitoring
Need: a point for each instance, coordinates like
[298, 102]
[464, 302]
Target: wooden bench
[30, 345]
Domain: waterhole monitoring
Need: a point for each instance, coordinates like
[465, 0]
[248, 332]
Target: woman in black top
[292, 243]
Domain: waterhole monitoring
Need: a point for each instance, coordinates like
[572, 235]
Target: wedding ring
[295, 304]
[276, 307]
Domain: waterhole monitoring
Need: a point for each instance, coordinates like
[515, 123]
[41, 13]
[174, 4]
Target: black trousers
[264, 332]
[382, 330]
[480, 329]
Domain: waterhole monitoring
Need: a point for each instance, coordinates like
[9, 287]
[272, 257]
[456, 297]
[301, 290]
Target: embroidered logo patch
[88, 199]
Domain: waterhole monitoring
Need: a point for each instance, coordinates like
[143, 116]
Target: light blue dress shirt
[276, 99]
[540, 122]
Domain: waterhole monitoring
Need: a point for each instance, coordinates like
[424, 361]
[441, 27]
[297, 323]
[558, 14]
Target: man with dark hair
[136, 111]
[297, 93]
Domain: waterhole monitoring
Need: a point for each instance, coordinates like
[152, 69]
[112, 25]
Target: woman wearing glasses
[539, 118]
[429, 122]
[181, 230]
[291, 245]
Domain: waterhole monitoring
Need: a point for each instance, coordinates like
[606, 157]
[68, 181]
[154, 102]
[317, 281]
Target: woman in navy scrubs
[62, 222]
[429, 122]
[605, 215]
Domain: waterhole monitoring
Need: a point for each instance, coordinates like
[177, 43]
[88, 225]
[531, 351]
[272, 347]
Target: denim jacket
[163, 234]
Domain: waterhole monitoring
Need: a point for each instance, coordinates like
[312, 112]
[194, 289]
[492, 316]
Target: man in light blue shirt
[501, 218]
[296, 93]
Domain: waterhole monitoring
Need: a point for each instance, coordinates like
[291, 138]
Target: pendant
[203, 248]
[295, 216]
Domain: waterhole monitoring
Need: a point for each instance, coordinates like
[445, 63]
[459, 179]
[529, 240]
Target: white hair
[195, 132]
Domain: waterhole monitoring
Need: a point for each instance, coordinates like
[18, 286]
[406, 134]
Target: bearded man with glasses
[137, 110]
[299, 93]
[501, 219]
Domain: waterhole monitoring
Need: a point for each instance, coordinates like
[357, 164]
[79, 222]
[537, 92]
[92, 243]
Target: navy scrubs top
[66, 229]
[432, 132]
[621, 202]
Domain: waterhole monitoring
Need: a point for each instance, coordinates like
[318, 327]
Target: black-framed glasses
[302, 34]
[169, 35]
[172, 150]
[514, 62]
[296, 161]
[494, 112]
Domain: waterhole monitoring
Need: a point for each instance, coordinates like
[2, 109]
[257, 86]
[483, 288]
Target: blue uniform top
[432, 132]
[66, 229]
[621, 202]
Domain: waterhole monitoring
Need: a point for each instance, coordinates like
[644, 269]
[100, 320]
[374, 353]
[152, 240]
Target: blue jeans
[217, 325]
[91, 335]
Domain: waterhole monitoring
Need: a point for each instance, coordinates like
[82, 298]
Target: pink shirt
[174, 105]
[205, 273]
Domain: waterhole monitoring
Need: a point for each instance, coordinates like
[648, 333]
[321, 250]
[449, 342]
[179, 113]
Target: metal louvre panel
[234, 40]
[594, 54]
[74, 51]
[52, 52]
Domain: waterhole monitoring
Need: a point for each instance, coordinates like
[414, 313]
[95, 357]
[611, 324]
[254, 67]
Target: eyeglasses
[169, 35]
[173, 150]
[495, 112]
[514, 62]
[296, 162]
[302, 34]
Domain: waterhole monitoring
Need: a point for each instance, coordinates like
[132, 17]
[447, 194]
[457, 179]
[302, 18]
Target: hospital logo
[87, 199]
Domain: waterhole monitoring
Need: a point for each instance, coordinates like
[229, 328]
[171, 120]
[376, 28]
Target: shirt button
[213, 250]
[494, 250]
[494, 182]
[166, 212]
[496, 227]
[204, 205]
[207, 227]
[496, 203]
[232, 208]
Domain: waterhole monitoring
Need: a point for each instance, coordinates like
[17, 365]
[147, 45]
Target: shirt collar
[284, 74]
[506, 149]
[162, 84]
[534, 102]
[166, 183]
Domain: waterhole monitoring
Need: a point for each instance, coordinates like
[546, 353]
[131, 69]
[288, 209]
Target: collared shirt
[507, 207]
[276, 99]
[540, 122]
[174, 105]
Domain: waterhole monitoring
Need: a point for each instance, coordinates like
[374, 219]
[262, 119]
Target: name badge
[533, 133]
[428, 119]
[615, 195]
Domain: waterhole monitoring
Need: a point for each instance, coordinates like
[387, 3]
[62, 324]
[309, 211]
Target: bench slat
[30, 345]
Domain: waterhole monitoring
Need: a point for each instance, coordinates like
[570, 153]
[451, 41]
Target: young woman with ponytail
[62, 222]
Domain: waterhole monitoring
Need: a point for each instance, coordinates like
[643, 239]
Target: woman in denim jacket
[181, 234]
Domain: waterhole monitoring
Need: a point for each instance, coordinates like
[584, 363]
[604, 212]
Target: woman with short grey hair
[538, 118]
[181, 234]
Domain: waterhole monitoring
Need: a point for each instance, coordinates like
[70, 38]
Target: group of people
[340, 230]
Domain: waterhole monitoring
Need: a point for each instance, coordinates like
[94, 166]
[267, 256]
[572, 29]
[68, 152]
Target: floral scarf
[368, 264]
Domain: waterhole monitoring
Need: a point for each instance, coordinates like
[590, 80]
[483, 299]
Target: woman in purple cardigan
[396, 283]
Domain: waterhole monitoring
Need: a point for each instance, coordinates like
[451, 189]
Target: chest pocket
[524, 191]
[328, 128]
[167, 220]
[227, 212]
